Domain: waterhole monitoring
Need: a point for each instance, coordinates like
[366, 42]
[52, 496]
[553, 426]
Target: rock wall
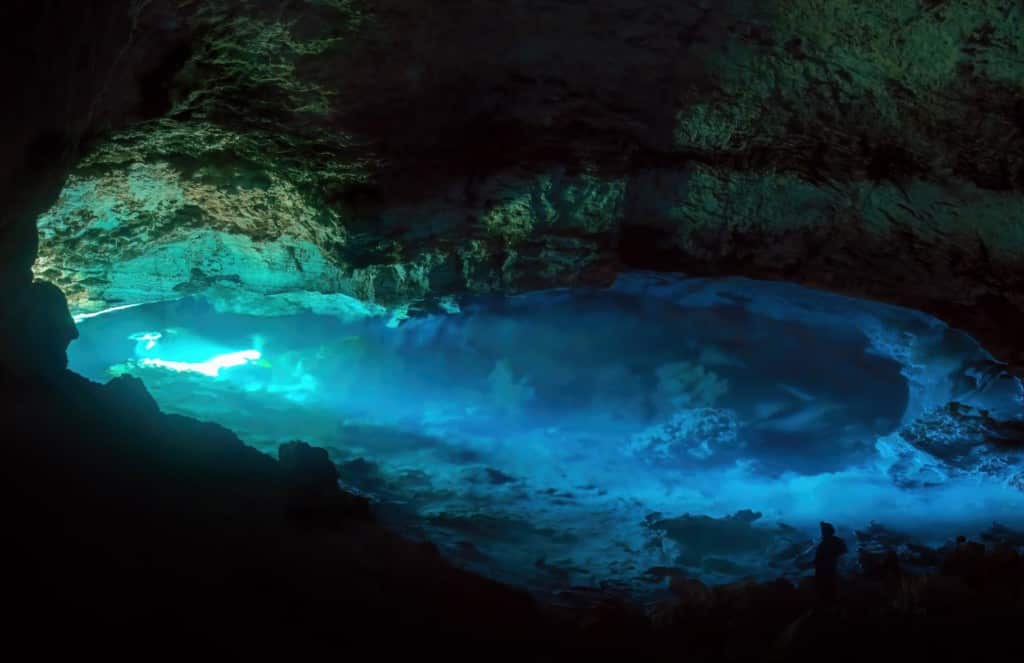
[873, 149]
[75, 71]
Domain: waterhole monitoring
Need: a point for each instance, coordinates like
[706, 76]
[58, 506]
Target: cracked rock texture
[311, 153]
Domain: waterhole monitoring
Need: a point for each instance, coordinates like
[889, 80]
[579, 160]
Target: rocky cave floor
[702, 433]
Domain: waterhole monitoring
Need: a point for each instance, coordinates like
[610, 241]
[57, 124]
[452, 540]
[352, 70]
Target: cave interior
[552, 324]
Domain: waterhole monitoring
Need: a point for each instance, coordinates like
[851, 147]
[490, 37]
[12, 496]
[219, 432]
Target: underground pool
[605, 437]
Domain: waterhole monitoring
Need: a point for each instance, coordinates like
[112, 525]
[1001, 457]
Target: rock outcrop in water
[955, 440]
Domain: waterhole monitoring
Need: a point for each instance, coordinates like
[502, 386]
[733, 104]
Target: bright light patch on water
[146, 340]
[587, 436]
[210, 368]
[82, 317]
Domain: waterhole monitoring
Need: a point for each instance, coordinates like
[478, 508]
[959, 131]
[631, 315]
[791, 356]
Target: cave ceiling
[312, 154]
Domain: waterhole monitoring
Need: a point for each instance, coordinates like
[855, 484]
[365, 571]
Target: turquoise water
[587, 436]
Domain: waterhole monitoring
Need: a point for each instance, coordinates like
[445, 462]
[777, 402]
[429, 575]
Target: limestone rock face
[336, 149]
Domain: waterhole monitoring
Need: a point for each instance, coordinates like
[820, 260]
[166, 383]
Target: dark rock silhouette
[35, 330]
[128, 519]
[313, 494]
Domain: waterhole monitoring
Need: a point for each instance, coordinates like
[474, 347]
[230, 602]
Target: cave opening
[713, 422]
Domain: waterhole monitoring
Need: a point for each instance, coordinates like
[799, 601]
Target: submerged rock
[731, 547]
[688, 436]
[955, 440]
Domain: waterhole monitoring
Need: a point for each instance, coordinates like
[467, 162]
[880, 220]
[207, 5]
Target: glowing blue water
[558, 438]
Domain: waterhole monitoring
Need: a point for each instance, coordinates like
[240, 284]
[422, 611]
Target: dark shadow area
[128, 525]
